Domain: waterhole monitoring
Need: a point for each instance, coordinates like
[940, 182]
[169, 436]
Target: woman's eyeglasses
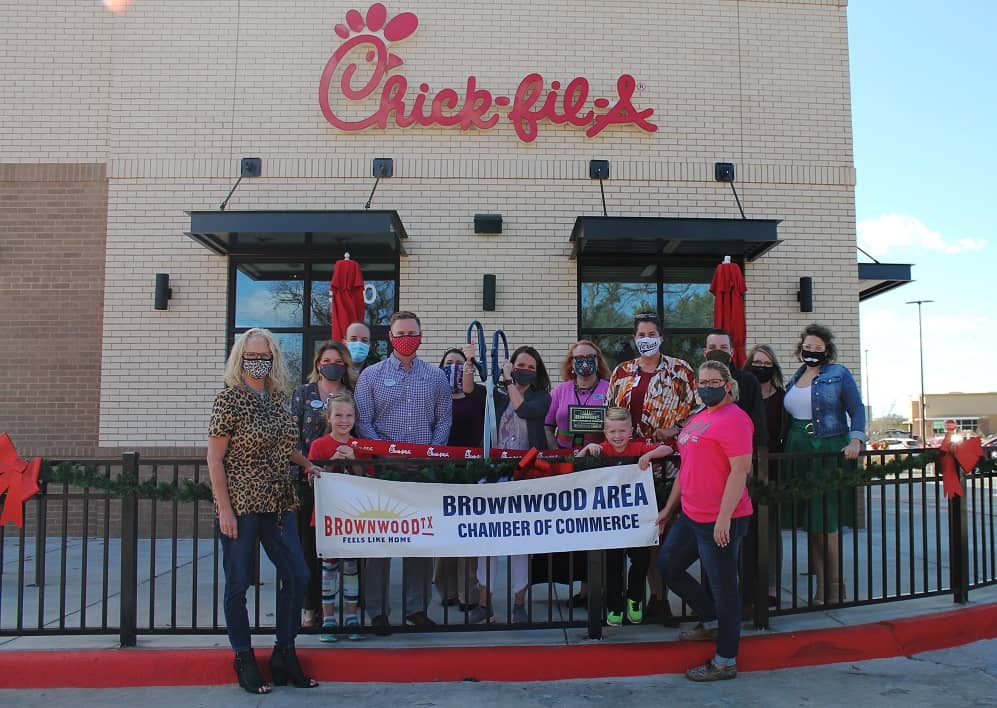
[252, 356]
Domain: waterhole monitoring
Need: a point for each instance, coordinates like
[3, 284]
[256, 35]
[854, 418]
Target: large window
[291, 298]
[610, 294]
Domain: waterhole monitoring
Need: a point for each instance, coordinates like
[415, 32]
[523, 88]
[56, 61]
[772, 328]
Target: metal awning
[878, 278]
[365, 234]
[663, 236]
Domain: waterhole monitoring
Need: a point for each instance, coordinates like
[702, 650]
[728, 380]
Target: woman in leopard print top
[251, 443]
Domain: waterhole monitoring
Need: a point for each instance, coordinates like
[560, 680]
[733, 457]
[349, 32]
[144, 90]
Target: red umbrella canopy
[728, 289]
[346, 296]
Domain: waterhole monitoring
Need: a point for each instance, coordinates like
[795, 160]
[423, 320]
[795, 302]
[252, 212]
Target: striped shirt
[411, 406]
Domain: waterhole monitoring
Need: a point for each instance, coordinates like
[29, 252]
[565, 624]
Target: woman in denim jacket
[825, 414]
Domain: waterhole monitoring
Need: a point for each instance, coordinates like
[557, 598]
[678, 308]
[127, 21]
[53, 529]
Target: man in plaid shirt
[402, 399]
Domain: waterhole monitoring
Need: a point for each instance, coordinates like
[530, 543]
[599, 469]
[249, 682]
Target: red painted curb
[203, 667]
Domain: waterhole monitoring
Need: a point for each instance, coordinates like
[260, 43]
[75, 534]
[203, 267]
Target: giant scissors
[490, 378]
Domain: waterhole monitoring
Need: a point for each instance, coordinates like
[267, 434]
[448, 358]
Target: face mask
[711, 395]
[764, 374]
[358, 351]
[719, 355]
[585, 366]
[257, 368]
[648, 345]
[523, 377]
[455, 375]
[406, 345]
[333, 372]
[813, 358]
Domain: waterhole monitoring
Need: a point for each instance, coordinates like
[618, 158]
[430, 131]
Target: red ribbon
[531, 463]
[18, 480]
[966, 454]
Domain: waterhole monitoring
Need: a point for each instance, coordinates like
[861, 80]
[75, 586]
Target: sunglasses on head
[646, 317]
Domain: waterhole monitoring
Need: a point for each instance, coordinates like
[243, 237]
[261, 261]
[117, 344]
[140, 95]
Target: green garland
[81, 475]
[78, 474]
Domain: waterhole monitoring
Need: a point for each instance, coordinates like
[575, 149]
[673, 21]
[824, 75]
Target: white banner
[607, 507]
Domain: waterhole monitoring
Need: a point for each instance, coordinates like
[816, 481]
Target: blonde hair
[616, 413]
[277, 381]
[725, 373]
[344, 397]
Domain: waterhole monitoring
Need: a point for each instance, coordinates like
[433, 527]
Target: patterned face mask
[406, 345]
[648, 345]
[257, 368]
[585, 365]
[455, 375]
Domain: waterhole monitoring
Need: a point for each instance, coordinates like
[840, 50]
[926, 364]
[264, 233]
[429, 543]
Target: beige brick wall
[185, 88]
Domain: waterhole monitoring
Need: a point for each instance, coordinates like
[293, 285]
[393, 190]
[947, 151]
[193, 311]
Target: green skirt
[823, 513]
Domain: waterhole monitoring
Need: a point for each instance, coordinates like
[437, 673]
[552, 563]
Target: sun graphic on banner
[380, 509]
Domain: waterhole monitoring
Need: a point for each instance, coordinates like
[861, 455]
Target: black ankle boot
[248, 673]
[284, 668]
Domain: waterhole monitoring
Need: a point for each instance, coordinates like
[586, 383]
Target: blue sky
[924, 104]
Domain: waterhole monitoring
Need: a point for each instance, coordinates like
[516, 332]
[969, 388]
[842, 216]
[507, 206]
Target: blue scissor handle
[479, 363]
[498, 335]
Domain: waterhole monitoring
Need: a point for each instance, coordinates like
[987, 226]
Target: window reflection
[379, 276]
[269, 296]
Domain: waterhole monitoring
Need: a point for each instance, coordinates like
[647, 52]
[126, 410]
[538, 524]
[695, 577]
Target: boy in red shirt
[620, 443]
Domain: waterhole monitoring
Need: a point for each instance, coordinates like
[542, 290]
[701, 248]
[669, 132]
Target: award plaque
[586, 419]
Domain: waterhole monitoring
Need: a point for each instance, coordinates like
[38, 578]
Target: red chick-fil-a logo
[532, 103]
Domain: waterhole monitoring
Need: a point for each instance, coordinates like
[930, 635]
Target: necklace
[590, 390]
[262, 395]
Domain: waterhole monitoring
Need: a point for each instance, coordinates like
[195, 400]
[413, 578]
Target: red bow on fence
[966, 453]
[18, 480]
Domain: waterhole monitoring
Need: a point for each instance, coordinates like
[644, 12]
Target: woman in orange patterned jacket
[660, 393]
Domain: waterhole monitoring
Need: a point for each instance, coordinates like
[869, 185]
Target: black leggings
[640, 559]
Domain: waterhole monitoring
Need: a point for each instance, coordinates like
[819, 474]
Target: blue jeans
[279, 535]
[688, 541]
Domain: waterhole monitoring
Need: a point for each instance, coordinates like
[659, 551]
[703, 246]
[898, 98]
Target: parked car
[898, 444]
[990, 446]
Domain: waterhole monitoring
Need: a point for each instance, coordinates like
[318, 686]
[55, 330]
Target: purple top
[565, 395]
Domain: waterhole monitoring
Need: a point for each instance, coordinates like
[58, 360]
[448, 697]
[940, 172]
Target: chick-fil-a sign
[475, 106]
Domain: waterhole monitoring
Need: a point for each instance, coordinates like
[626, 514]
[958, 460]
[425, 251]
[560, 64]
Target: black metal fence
[90, 561]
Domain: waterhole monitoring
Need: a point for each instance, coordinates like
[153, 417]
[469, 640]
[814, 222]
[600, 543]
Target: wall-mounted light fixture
[380, 167]
[599, 169]
[488, 292]
[487, 223]
[806, 294]
[724, 172]
[249, 167]
[164, 292]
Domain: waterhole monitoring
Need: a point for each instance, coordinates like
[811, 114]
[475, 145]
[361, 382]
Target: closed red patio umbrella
[346, 304]
[728, 288]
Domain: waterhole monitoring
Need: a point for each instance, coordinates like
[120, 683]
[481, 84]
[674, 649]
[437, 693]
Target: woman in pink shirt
[711, 488]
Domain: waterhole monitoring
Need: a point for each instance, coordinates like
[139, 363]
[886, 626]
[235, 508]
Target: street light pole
[920, 339]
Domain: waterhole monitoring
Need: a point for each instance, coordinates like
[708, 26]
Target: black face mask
[813, 358]
[711, 395]
[764, 374]
[719, 355]
[523, 377]
[333, 372]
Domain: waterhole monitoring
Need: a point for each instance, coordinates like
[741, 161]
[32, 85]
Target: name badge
[586, 419]
[390, 382]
